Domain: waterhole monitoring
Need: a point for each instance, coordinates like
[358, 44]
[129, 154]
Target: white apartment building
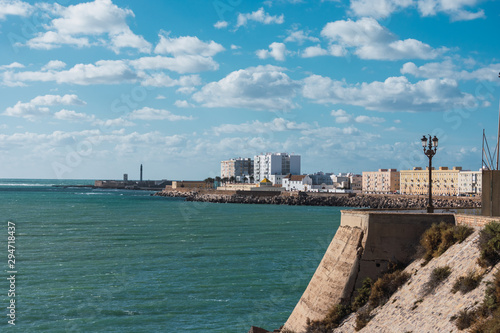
[470, 182]
[269, 164]
[239, 168]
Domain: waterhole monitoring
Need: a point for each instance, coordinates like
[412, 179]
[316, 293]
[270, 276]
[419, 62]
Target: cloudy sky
[93, 89]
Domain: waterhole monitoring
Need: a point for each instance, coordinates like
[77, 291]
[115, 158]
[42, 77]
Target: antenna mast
[498, 135]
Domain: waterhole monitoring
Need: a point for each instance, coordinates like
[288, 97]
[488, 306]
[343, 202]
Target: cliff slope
[410, 309]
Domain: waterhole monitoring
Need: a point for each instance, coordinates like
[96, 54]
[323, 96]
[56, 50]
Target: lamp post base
[430, 209]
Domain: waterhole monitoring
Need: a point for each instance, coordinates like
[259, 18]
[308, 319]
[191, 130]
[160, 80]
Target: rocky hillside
[414, 308]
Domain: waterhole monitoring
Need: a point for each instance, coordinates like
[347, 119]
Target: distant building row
[283, 170]
[262, 166]
[445, 181]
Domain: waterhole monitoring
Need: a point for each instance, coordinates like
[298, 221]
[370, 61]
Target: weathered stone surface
[365, 243]
[411, 310]
[330, 280]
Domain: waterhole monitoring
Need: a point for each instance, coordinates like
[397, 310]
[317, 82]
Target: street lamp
[430, 151]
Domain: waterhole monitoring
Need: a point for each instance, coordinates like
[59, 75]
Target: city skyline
[92, 90]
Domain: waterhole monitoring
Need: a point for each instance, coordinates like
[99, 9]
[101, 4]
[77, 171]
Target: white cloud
[260, 88]
[259, 16]
[118, 139]
[455, 9]
[384, 8]
[447, 69]
[103, 72]
[93, 19]
[51, 40]
[116, 72]
[235, 47]
[277, 51]
[187, 45]
[337, 50]
[180, 64]
[221, 24]
[378, 8]
[328, 132]
[11, 66]
[341, 117]
[163, 80]
[393, 94]
[372, 41]
[369, 120]
[186, 90]
[117, 122]
[14, 7]
[38, 106]
[183, 104]
[54, 64]
[160, 97]
[256, 126]
[314, 51]
[147, 113]
[300, 37]
[71, 115]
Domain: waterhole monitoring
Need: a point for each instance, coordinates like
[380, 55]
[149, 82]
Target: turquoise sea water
[123, 261]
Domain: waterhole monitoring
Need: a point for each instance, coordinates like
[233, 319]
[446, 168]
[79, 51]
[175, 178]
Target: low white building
[342, 180]
[297, 183]
[277, 179]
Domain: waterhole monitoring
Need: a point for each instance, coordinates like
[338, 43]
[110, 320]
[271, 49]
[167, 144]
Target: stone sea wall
[364, 245]
[411, 309]
[315, 199]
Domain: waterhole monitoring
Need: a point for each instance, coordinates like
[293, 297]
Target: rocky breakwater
[312, 199]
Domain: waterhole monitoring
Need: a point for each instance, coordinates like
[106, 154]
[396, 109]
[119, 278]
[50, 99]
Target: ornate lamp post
[430, 151]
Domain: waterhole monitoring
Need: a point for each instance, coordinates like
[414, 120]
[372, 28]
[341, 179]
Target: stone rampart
[363, 246]
[475, 221]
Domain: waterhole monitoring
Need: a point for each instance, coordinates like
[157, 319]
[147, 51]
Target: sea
[94, 260]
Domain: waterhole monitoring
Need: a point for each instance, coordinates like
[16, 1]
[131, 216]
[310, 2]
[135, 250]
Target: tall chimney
[141, 172]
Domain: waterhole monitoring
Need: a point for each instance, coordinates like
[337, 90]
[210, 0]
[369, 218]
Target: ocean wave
[25, 184]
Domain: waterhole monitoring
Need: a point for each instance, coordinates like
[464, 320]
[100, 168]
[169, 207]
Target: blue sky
[94, 89]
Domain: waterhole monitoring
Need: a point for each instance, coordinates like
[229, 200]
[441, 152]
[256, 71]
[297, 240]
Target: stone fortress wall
[364, 244]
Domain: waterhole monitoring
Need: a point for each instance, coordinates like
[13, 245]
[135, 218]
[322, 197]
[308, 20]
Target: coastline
[372, 201]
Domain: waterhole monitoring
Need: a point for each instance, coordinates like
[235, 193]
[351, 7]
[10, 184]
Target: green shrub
[467, 283]
[487, 325]
[438, 275]
[385, 286]
[362, 319]
[487, 316]
[332, 320]
[465, 319]
[439, 237]
[492, 296]
[363, 294]
[489, 244]
[461, 232]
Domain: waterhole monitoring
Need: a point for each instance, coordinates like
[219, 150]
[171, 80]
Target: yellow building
[416, 181]
[381, 181]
